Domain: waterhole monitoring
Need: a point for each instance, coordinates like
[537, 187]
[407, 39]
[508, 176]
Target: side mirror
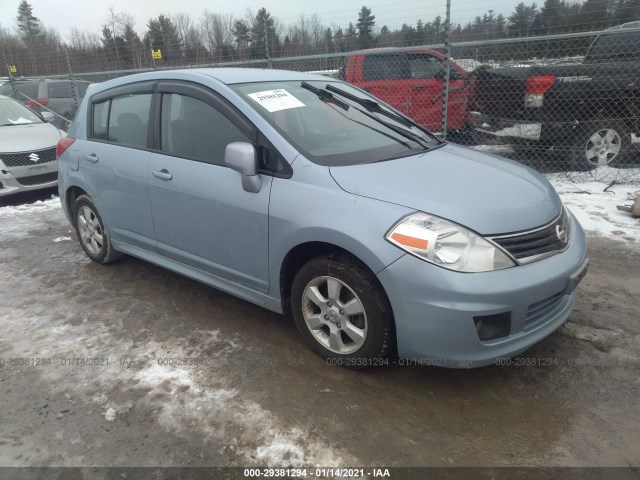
[48, 116]
[241, 157]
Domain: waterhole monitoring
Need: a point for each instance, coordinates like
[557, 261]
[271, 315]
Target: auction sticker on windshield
[275, 100]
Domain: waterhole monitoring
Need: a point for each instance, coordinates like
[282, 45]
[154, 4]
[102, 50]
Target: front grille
[28, 158]
[38, 179]
[543, 309]
[532, 244]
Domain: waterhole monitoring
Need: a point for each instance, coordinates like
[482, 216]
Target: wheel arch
[298, 255]
[70, 197]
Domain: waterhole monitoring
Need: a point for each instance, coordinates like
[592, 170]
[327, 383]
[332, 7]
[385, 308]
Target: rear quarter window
[100, 119]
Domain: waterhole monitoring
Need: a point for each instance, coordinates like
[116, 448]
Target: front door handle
[93, 158]
[163, 174]
[420, 88]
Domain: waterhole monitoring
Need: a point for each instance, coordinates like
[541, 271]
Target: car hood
[484, 192]
[24, 138]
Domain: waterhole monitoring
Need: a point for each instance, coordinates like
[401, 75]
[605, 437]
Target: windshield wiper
[370, 105]
[376, 107]
[324, 95]
[328, 96]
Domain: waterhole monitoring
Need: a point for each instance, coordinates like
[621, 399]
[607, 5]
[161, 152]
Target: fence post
[10, 75]
[266, 44]
[74, 86]
[447, 66]
[153, 60]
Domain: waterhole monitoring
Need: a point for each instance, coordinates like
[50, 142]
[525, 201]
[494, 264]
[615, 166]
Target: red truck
[412, 80]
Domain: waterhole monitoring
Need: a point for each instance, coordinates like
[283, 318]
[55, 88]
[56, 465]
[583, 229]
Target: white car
[27, 149]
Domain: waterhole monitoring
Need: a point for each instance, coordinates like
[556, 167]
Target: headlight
[446, 244]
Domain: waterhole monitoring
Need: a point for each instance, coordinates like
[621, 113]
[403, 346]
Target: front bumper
[24, 179]
[434, 308]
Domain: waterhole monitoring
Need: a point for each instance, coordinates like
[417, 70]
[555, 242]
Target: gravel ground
[132, 365]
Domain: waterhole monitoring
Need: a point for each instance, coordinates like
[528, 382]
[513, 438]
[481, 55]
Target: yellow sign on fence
[156, 54]
[13, 69]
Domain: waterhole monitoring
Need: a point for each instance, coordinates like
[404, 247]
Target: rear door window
[386, 66]
[425, 66]
[616, 46]
[60, 90]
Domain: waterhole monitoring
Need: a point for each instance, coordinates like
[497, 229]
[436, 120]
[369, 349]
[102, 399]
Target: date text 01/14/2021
[316, 472]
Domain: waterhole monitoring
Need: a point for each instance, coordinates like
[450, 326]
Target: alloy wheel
[334, 315]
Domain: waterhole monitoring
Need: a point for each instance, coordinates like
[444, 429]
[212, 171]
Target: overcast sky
[91, 14]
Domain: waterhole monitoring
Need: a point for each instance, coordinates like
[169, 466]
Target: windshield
[334, 124]
[14, 113]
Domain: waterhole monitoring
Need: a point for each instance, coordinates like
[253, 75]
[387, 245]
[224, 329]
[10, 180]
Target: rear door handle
[163, 174]
[91, 157]
[419, 88]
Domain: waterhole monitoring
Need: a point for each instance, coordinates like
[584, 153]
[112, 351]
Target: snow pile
[596, 209]
[23, 221]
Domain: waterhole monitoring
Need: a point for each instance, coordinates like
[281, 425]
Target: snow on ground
[23, 221]
[500, 149]
[596, 209]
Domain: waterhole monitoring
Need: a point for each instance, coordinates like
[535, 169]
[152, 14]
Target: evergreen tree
[522, 20]
[365, 25]
[594, 15]
[242, 33]
[263, 18]
[28, 25]
[163, 34]
[552, 15]
[628, 11]
[350, 37]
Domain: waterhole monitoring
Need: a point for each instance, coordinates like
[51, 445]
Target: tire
[602, 143]
[342, 312]
[92, 234]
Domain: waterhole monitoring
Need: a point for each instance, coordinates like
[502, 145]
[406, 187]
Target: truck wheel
[342, 312]
[605, 143]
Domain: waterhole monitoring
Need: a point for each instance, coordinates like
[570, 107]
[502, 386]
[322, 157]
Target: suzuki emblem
[34, 157]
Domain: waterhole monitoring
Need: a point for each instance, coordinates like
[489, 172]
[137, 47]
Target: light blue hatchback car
[303, 194]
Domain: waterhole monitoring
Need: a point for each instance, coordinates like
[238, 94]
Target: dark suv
[42, 95]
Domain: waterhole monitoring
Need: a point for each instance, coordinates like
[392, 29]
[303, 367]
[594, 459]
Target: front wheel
[605, 143]
[342, 311]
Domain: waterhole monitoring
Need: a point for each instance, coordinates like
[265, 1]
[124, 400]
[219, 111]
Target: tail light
[36, 103]
[535, 88]
[62, 146]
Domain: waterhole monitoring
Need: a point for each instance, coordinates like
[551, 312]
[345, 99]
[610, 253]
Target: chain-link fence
[565, 103]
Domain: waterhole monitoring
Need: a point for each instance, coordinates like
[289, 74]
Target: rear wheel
[92, 233]
[605, 143]
[342, 311]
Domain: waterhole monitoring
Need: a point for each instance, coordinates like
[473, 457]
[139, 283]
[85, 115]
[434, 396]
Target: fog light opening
[490, 327]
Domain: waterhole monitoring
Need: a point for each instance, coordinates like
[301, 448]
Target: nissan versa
[302, 193]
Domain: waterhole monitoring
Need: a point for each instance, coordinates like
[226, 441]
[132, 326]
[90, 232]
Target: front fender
[311, 207]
